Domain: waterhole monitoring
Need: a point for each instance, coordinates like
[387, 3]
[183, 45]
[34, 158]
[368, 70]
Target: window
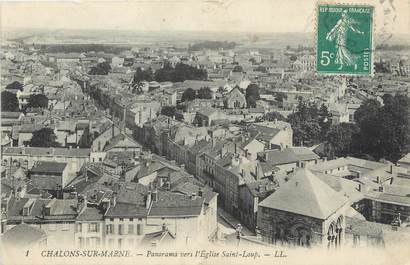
[131, 241]
[119, 243]
[52, 227]
[112, 219]
[109, 229]
[120, 229]
[65, 227]
[111, 242]
[79, 228]
[131, 219]
[121, 219]
[93, 227]
[139, 229]
[131, 229]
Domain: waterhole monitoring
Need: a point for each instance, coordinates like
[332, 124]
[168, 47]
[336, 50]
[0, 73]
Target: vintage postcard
[205, 132]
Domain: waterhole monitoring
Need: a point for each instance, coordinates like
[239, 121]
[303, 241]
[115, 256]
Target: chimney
[114, 199]
[391, 169]
[324, 159]
[359, 187]
[377, 179]
[164, 227]
[275, 121]
[256, 172]
[381, 188]
[154, 196]
[183, 166]
[391, 181]
[200, 192]
[243, 172]
[148, 200]
[193, 196]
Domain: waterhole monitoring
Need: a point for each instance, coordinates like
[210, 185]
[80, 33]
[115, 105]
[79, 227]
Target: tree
[237, 69]
[366, 110]
[280, 97]
[293, 58]
[44, 137]
[341, 138]
[252, 94]
[143, 75]
[324, 119]
[384, 130]
[272, 116]
[169, 111]
[306, 124]
[102, 68]
[15, 85]
[180, 73]
[205, 93]
[188, 95]
[9, 101]
[37, 101]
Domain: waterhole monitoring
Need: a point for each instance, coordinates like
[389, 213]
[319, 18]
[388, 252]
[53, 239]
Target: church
[304, 211]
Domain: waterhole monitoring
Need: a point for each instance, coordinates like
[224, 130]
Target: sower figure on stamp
[339, 32]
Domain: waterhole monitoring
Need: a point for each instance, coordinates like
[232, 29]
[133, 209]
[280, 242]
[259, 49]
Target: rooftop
[305, 194]
[48, 167]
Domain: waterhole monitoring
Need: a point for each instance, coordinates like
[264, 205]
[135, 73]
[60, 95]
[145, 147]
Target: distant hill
[212, 45]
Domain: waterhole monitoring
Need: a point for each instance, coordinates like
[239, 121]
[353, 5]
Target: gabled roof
[49, 167]
[174, 204]
[122, 141]
[23, 235]
[305, 194]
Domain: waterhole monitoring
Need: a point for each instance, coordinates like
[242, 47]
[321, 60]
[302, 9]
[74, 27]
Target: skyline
[185, 16]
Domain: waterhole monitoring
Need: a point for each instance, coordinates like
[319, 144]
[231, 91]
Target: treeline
[380, 131]
[212, 45]
[179, 73]
[394, 47]
[79, 48]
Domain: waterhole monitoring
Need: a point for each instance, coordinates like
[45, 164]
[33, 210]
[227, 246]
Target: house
[206, 117]
[404, 162]
[290, 158]
[27, 156]
[122, 142]
[51, 176]
[275, 135]
[305, 211]
[54, 216]
[23, 236]
[89, 227]
[250, 194]
[235, 99]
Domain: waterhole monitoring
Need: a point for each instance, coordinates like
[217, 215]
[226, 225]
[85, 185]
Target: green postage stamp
[344, 39]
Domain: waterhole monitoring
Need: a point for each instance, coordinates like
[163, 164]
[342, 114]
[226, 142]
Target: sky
[187, 15]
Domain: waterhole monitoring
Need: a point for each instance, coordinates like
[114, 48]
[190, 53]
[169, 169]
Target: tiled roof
[90, 214]
[126, 210]
[49, 167]
[174, 204]
[47, 151]
[60, 209]
[277, 157]
[305, 194]
[23, 235]
[364, 228]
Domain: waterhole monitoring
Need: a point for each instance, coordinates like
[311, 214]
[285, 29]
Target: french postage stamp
[344, 39]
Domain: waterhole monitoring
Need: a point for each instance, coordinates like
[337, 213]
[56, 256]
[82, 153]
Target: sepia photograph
[205, 132]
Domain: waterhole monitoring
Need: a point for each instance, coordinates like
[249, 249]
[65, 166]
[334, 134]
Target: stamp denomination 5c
[344, 39]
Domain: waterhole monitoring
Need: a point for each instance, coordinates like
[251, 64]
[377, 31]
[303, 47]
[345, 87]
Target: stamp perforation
[372, 39]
